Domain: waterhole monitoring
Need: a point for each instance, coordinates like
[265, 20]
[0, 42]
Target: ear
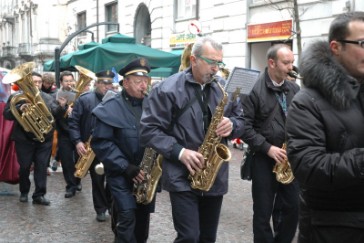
[193, 60]
[271, 63]
[335, 47]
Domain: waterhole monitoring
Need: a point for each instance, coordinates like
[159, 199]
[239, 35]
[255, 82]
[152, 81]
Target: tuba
[283, 171]
[151, 165]
[84, 161]
[36, 117]
[214, 152]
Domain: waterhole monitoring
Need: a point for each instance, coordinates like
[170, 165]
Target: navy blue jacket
[115, 141]
[81, 121]
[164, 100]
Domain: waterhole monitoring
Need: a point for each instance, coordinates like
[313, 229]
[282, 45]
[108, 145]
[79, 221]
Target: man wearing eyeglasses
[175, 120]
[115, 142]
[325, 135]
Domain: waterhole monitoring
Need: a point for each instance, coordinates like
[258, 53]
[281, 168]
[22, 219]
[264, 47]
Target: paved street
[73, 220]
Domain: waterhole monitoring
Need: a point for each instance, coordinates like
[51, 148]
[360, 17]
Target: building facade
[30, 30]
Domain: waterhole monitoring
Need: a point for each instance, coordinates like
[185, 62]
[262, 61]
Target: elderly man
[115, 142]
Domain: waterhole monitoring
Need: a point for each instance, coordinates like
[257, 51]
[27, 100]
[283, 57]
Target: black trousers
[141, 224]
[66, 152]
[195, 217]
[101, 195]
[37, 153]
[272, 199]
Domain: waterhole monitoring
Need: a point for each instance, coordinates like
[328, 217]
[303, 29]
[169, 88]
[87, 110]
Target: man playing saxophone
[28, 149]
[265, 110]
[176, 119]
[115, 142]
[81, 122]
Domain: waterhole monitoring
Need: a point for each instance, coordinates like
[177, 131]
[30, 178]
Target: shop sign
[181, 40]
[270, 31]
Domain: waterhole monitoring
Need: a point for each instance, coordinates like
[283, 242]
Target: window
[186, 9]
[111, 15]
[81, 22]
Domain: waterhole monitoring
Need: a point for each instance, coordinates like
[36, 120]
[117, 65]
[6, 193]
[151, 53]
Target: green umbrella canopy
[65, 59]
[117, 51]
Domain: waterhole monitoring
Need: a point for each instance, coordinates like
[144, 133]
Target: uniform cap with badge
[138, 67]
[106, 76]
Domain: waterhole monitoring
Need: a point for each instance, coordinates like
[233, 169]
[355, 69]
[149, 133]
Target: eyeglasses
[139, 80]
[360, 42]
[212, 62]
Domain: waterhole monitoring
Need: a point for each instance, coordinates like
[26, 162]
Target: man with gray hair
[175, 120]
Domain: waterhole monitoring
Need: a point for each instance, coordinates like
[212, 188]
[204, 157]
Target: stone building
[32, 29]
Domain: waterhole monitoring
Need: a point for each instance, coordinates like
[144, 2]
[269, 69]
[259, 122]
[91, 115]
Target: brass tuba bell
[35, 117]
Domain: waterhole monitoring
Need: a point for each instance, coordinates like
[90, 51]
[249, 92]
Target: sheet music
[242, 78]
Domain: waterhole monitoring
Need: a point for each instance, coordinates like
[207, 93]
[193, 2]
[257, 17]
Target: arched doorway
[142, 25]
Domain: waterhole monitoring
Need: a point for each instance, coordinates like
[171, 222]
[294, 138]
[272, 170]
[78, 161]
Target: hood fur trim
[321, 71]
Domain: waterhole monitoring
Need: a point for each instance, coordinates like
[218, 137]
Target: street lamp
[57, 51]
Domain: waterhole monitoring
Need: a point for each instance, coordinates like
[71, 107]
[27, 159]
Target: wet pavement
[74, 219]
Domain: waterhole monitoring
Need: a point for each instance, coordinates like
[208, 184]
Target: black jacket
[18, 133]
[325, 134]
[81, 121]
[260, 133]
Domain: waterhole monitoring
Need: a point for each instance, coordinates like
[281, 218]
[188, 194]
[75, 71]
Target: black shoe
[41, 201]
[23, 197]
[79, 187]
[101, 217]
[69, 194]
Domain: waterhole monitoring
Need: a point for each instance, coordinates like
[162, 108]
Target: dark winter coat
[325, 145]
[261, 130]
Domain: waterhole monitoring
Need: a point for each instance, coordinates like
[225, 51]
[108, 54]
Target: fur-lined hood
[321, 71]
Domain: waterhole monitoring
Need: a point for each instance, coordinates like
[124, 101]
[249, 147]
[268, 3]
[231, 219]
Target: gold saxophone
[214, 152]
[35, 117]
[283, 171]
[152, 166]
[85, 78]
[84, 161]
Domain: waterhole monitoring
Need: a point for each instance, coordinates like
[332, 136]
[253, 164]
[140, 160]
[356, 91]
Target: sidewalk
[73, 220]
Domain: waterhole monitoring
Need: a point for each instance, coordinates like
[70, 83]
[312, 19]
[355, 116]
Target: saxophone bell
[283, 171]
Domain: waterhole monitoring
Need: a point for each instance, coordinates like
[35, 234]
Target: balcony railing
[9, 51]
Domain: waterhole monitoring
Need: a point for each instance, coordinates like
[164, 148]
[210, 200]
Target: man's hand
[139, 178]
[62, 101]
[278, 154]
[81, 149]
[224, 128]
[192, 160]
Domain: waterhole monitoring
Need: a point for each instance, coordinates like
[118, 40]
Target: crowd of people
[188, 118]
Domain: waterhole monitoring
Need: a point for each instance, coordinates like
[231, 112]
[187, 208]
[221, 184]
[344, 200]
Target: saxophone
[85, 78]
[35, 118]
[84, 161]
[214, 152]
[283, 171]
[151, 165]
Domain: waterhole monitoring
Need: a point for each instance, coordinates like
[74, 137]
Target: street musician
[81, 122]
[30, 148]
